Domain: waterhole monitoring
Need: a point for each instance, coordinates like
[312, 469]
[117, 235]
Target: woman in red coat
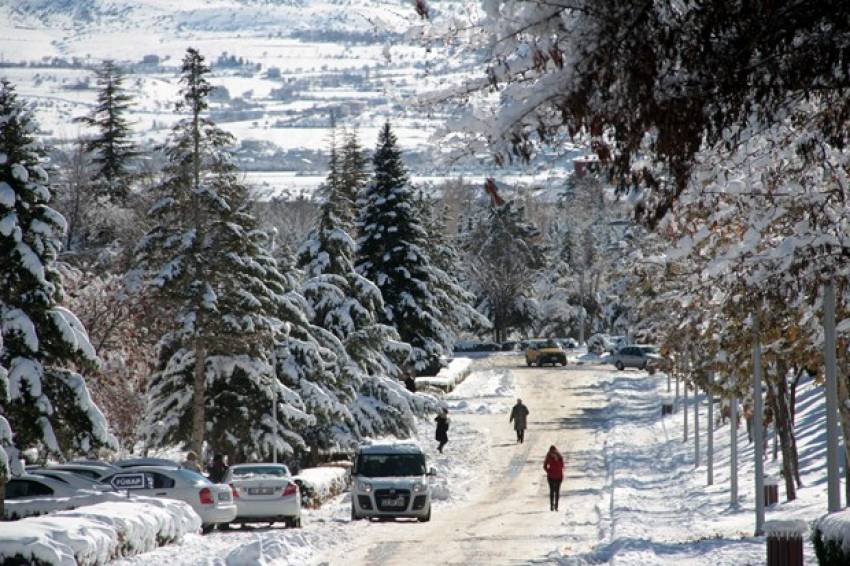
[554, 466]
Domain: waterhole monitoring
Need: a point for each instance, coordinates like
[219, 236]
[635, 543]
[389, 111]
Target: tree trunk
[733, 459]
[2, 499]
[198, 400]
[783, 428]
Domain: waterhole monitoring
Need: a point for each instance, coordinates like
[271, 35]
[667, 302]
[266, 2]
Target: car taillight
[206, 496]
[234, 492]
[290, 489]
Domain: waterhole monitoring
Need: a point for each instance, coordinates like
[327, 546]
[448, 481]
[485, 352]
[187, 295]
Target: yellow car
[545, 352]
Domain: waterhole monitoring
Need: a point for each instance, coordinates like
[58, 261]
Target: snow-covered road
[631, 494]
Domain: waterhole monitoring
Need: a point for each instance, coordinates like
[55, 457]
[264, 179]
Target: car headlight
[365, 487]
[419, 487]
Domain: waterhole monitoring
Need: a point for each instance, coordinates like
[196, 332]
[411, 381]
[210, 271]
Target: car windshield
[391, 465]
[546, 344]
[278, 471]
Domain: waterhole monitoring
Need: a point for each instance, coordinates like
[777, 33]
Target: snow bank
[98, 533]
[22, 508]
[835, 528]
[448, 377]
[322, 483]
[266, 551]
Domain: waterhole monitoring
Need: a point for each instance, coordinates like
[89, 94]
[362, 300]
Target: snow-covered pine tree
[457, 304]
[111, 147]
[354, 176]
[313, 362]
[393, 253]
[43, 398]
[349, 306]
[210, 270]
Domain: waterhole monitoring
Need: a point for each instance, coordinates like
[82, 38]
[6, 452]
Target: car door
[630, 358]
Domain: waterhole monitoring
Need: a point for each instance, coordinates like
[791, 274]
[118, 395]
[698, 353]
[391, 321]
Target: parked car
[95, 472]
[545, 352]
[134, 462]
[264, 493]
[637, 356]
[509, 346]
[69, 478]
[213, 502]
[390, 480]
[34, 486]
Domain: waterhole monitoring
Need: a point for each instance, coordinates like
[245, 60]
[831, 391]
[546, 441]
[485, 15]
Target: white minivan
[390, 480]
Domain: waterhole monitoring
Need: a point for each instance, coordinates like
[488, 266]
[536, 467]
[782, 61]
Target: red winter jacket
[554, 466]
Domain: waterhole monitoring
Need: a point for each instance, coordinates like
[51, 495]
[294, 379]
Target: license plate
[260, 490]
[397, 502]
[224, 497]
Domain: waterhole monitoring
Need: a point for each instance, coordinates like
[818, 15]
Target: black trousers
[554, 493]
[520, 435]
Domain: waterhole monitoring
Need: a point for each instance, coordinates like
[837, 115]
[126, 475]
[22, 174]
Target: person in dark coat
[519, 416]
[554, 466]
[218, 469]
[442, 435]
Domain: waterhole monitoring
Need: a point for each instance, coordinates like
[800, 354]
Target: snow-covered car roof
[135, 462]
[390, 447]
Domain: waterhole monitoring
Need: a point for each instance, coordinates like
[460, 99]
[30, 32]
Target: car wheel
[297, 522]
[426, 518]
[206, 528]
[540, 363]
[224, 526]
[643, 366]
[528, 363]
[619, 365]
[354, 515]
[652, 370]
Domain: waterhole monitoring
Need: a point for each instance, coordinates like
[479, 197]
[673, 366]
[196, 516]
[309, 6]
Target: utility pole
[833, 480]
[710, 439]
[685, 397]
[758, 427]
[733, 460]
[696, 426]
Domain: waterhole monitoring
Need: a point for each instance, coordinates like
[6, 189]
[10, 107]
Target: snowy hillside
[282, 68]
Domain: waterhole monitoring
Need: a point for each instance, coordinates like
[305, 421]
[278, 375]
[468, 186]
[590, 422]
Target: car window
[279, 471]
[549, 344]
[17, 488]
[161, 482]
[55, 477]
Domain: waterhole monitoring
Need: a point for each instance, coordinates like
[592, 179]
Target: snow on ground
[328, 529]
[488, 391]
[97, 533]
[635, 489]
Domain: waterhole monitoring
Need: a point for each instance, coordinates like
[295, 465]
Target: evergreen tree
[354, 178]
[42, 397]
[111, 147]
[457, 304]
[349, 306]
[393, 253]
[209, 266]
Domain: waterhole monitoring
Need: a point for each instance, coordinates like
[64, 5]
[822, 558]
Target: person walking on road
[442, 435]
[519, 416]
[554, 466]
